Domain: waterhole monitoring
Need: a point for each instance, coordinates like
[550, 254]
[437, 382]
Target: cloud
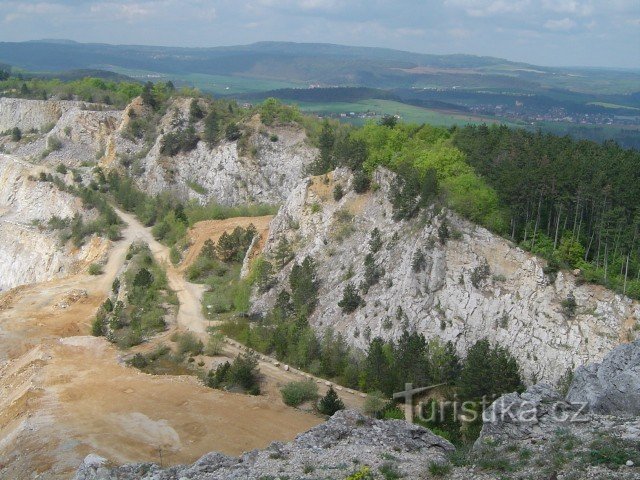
[560, 25]
[568, 6]
[488, 8]
[21, 10]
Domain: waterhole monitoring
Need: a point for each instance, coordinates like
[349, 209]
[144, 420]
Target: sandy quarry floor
[64, 394]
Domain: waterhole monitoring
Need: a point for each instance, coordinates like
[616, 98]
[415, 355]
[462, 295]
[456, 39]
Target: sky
[603, 33]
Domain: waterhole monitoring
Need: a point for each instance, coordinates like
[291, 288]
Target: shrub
[330, 403]
[439, 469]
[569, 305]
[361, 182]
[16, 134]
[189, 343]
[215, 345]
[62, 169]
[338, 192]
[174, 255]
[97, 327]
[374, 404]
[295, 393]
[95, 269]
[351, 300]
[53, 143]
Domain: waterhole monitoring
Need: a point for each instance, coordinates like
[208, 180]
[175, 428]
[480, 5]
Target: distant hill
[323, 64]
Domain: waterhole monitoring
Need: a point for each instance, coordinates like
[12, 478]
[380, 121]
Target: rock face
[258, 170]
[613, 386]
[28, 251]
[32, 114]
[263, 171]
[470, 284]
[334, 449]
[559, 438]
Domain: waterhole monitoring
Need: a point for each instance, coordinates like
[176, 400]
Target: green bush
[189, 343]
[95, 269]
[295, 393]
[215, 345]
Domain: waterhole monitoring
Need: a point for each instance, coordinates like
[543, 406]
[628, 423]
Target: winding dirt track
[64, 394]
[190, 315]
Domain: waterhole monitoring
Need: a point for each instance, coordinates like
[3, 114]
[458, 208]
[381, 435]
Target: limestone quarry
[71, 405]
[473, 285]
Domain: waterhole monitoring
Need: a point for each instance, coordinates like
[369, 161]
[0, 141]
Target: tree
[195, 111]
[372, 272]
[233, 132]
[488, 372]
[244, 373]
[411, 361]
[263, 271]
[330, 403]
[375, 240]
[361, 182]
[211, 131]
[143, 278]
[147, 95]
[282, 253]
[351, 300]
[304, 287]
[16, 134]
[389, 121]
[208, 249]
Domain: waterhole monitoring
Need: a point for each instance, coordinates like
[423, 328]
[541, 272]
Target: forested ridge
[575, 203]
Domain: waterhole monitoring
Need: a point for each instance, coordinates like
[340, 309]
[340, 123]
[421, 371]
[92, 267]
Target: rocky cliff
[262, 168]
[29, 252]
[444, 277]
[81, 136]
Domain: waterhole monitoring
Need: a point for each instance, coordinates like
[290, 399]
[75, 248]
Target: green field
[214, 84]
[407, 113]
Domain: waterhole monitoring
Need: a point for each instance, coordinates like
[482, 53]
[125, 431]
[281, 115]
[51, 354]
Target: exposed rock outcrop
[264, 167]
[29, 252]
[610, 387]
[470, 284]
[558, 437]
[333, 449]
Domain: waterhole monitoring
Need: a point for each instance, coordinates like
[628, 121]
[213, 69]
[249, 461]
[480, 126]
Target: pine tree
[211, 131]
[304, 287]
[143, 278]
[330, 403]
[351, 300]
[208, 249]
[375, 240]
[283, 253]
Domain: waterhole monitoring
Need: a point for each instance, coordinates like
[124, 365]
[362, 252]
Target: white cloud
[569, 6]
[560, 25]
[488, 8]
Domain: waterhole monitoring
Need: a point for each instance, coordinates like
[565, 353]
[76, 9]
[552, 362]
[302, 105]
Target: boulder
[612, 386]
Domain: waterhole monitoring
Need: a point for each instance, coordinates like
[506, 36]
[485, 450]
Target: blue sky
[544, 32]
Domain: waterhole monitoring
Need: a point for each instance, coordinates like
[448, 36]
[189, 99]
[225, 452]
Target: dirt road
[190, 316]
